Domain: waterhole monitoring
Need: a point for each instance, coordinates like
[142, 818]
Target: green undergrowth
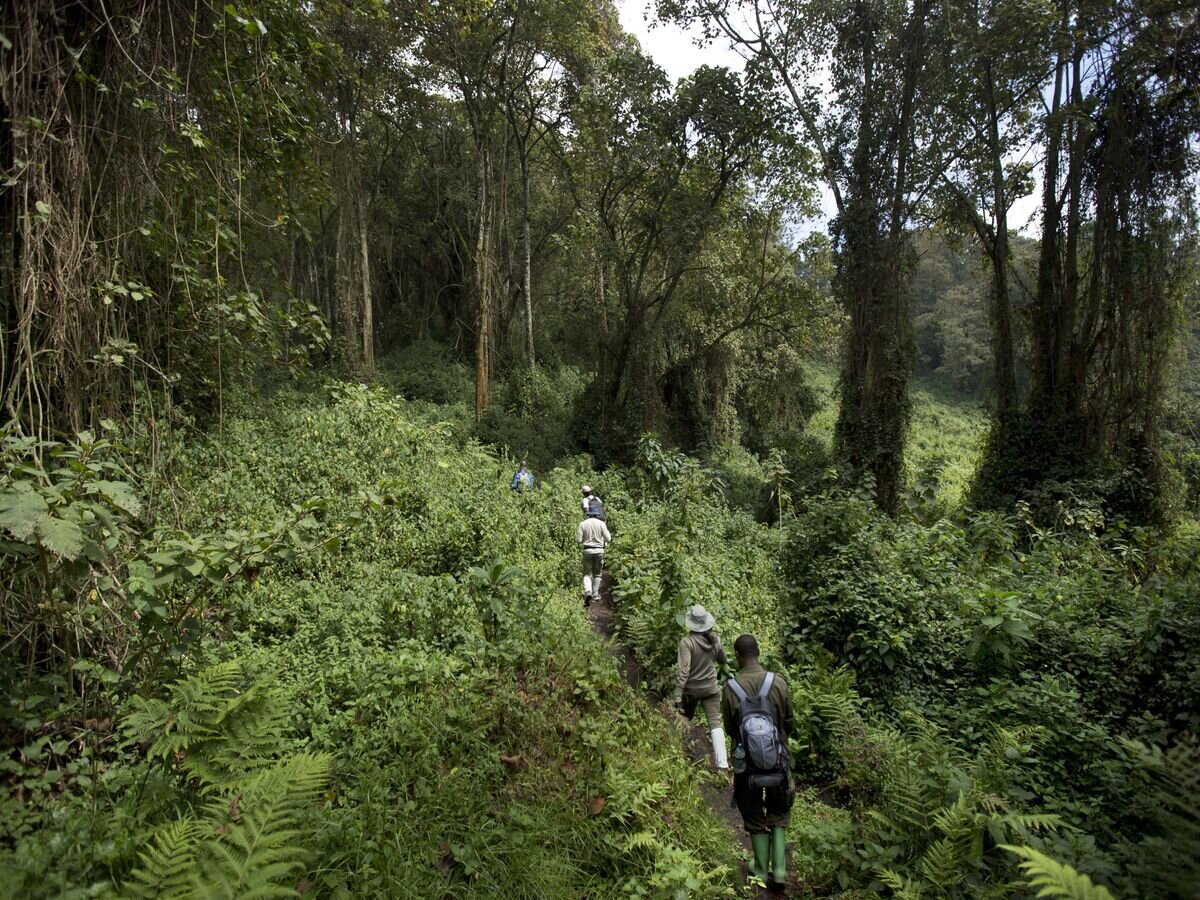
[945, 436]
[414, 705]
[340, 657]
[964, 682]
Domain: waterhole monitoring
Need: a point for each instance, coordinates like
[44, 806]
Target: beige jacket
[593, 535]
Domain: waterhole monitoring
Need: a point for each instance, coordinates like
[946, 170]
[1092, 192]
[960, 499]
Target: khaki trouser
[593, 571]
[711, 704]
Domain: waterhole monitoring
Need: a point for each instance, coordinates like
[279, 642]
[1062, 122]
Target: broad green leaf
[21, 511]
[61, 537]
[120, 494]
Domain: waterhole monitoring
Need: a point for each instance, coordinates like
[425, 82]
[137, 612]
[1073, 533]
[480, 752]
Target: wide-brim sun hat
[696, 618]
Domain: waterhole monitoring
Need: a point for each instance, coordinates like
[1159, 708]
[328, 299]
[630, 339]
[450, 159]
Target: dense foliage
[965, 681]
[412, 705]
[287, 289]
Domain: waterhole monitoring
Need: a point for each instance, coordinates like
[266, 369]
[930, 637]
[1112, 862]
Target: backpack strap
[766, 685]
[737, 689]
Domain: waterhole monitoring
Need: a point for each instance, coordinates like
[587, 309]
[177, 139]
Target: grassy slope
[945, 430]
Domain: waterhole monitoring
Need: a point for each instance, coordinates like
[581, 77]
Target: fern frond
[1024, 823]
[1055, 879]
[943, 864]
[166, 865]
[903, 888]
[260, 844]
[907, 798]
[218, 727]
[1171, 859]
[958, 818]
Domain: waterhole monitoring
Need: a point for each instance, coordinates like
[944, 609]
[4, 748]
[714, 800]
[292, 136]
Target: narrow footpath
[695, 740]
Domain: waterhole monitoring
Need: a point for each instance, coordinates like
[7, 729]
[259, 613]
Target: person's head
[523, 467]
[696, 619]
[746, 648]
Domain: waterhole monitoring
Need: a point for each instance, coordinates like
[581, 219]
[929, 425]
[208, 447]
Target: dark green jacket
[751, 679]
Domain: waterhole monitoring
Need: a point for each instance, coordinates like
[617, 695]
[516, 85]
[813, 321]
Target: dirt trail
[696, 739]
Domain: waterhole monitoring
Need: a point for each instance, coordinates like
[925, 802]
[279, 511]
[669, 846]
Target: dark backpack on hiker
[765, 752]
[596, 508]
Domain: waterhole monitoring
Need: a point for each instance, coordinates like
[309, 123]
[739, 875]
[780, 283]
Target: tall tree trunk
[348, 325]
[1003, 365]
[483, 285]
[872, 424]
[354, 313]
[368, 312]
[527, 287]
[1044, 370]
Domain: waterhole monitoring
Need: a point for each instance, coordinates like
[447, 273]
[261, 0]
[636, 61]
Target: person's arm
[607, 534]
[516, 478]
[684, 669]
[720, 656]
[579, 533]
[787, 716]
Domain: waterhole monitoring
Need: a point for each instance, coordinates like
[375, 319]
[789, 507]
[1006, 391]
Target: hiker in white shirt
[593, 536]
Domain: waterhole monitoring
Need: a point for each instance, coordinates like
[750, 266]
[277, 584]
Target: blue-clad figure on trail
[522, 478]
[756, 708]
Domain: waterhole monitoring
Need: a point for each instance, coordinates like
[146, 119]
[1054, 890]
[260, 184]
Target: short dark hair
[746, 647]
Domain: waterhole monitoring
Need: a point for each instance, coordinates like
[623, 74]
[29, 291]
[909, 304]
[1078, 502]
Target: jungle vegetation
[286, 290]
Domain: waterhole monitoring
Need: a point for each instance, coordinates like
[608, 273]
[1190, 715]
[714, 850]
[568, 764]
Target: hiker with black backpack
[593, 505]
[756, 708]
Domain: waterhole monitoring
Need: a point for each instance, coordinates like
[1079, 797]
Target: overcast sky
[672, 48]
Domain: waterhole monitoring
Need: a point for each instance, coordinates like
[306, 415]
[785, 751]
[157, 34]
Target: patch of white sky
[679, 53]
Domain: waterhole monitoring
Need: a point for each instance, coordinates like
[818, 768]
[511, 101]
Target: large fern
[1055, 879]
[168, 863]
[940, 805]
[249, 844]
[225, 734]
[261, 847]
[216, 726]
[1168, 858]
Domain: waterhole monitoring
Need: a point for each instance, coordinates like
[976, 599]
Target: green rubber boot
[762, 850]
[779, 855]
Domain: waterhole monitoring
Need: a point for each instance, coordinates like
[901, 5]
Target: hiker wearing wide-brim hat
[700, 652]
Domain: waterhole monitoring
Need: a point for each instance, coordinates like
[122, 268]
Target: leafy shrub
[427, 371]
[530, 415]
[418, 631]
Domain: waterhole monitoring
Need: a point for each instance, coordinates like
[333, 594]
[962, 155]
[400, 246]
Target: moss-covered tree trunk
[873, 416]
[872, 424]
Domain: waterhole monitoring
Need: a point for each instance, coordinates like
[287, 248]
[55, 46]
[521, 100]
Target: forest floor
[717, 793]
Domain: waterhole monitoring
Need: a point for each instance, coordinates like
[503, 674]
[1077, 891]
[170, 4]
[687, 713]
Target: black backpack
[596, 508]
[766, 754]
